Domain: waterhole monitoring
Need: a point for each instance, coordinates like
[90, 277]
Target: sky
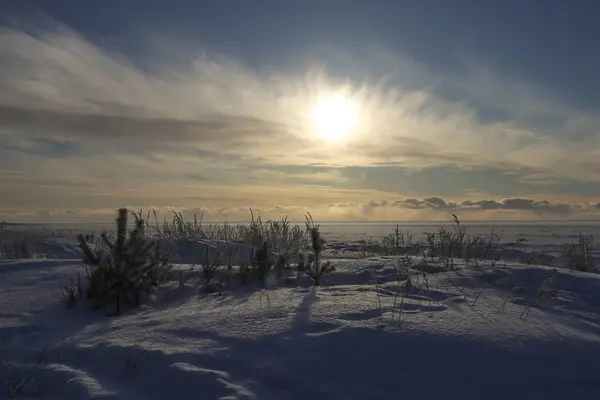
[485, 109]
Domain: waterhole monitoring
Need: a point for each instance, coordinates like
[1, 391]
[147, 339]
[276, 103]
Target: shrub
[282, 263]
[314, 267]
[210, 269]
[132, 266]
[245, 274]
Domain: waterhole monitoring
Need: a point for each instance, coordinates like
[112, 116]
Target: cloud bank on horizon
[85, 128]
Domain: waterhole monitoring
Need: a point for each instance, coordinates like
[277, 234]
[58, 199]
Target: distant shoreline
[333, 223]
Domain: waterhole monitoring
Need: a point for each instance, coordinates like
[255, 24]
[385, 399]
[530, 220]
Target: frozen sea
[528, 233]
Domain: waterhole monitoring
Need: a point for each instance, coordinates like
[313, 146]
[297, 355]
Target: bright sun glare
[334, 117]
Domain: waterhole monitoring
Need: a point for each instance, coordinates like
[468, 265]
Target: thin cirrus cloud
[92, 130]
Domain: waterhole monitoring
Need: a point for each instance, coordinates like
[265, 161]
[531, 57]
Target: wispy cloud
[93, 129]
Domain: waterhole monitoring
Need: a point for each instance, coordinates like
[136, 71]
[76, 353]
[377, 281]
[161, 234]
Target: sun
[334, 117]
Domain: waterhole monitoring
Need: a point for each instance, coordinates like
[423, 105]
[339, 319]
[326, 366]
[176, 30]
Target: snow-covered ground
[467, 333]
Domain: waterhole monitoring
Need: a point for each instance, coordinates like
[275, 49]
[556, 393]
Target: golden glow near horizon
[334, 117]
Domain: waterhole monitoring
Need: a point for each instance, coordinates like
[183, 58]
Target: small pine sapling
[134, 265]
[263, 263]
[314, 267]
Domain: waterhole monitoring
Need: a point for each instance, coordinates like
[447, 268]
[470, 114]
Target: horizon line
[362, 222]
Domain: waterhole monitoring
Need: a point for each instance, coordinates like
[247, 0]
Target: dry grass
[442, 246]
[18, 245]
[282, 236]
[578, 255]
